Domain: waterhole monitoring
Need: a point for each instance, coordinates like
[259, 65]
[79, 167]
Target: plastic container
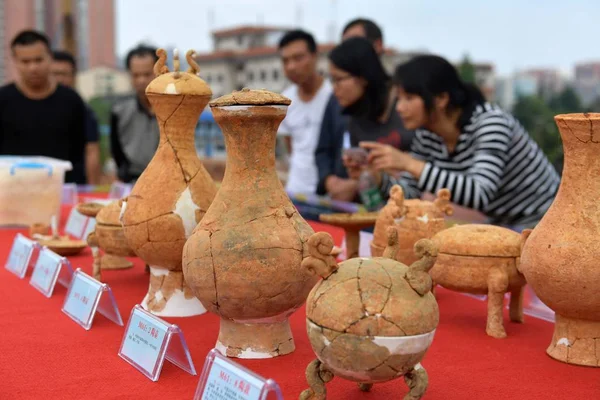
[31, 189]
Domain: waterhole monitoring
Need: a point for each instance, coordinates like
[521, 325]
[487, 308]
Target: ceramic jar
[415, 219]
[174, 191]
[560, 259]
[243, 260]
[370, 320]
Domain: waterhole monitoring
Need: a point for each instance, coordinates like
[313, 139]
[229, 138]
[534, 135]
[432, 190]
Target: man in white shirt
[309, 94]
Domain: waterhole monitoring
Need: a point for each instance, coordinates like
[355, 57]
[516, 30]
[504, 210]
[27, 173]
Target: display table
[45, 355]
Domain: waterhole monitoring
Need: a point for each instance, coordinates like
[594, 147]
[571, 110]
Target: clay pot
[174, 191]
[107, 235]
[370, 319]
[109, 231]
[482, 259]
[243, 259]
[414, 219]
[560, 257]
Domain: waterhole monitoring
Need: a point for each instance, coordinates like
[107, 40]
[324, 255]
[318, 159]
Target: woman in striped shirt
[479, 152]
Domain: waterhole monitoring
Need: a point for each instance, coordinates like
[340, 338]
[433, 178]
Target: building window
[219, 78]
[208, 78]
[263, 75]
[275, 75]
[250, 76]
[240, 39]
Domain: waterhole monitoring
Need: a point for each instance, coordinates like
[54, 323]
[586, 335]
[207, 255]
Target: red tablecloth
[45, 355]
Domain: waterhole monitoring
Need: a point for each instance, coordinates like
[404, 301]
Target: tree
[466, 70]
[538, 119]
[565, 102]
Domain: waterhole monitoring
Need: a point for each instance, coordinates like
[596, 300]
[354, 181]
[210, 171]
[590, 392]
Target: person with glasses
[333, 179]
[365, 92]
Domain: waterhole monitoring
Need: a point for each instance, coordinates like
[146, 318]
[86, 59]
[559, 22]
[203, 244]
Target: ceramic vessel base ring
[575, 341]
[169, 296]
[255, 340]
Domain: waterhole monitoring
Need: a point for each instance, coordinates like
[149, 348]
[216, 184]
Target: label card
[84, 298]
[149, 340]
[222, 379]
[76, 224]
[118, 190]
[50, 268]
[20, 255]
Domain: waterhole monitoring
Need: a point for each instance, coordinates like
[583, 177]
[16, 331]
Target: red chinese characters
[242, 386]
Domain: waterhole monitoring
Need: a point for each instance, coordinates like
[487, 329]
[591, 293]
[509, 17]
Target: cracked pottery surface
[243, 261]
[174, 191]
[560, 256]
[415, 219]
[482, 259]
[370, 320]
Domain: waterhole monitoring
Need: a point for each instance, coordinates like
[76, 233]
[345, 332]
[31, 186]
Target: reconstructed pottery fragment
[174, 191]
[243, 260]
[414, 219]
[561, 257]
[108, 236]
[482, 259]
[370, 320]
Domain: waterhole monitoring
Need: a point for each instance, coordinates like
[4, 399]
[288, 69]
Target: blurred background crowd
[74, 89]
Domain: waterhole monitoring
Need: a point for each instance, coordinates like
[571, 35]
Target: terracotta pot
[370, 320]
[109, 231]
[173, 193]
[560, 259]
[482, 259]
[243, 260]
[414, 219]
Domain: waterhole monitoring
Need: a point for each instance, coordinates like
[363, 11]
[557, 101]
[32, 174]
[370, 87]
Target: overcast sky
[512, 34]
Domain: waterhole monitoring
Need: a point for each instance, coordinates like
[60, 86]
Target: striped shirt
[496, 168]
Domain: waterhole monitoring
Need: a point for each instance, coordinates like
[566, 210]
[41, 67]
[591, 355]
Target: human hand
[383, 157]
[354, 165]
[341, 189]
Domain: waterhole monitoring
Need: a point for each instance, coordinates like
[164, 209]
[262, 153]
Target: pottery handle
[160, 66]
[392, 248]
[320, 261]
[418, 273]
[193, 68]
[442, 202]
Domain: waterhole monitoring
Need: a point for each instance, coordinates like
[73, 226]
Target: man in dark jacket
[333, 179]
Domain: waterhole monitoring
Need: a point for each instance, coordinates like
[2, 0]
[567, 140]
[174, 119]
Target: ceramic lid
[478, 240]
[371, 297]
[247, 97]
[177, 82]
[109, 215]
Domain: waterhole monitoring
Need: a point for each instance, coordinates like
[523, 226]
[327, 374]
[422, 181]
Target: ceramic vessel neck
[177, 117]
[250, 133]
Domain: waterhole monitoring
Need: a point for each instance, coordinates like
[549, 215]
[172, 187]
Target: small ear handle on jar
[418, 273]
[319, 260]
[442, 202]
[391, 250]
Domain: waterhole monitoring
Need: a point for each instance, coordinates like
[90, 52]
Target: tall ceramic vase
[561, 257]
[243, 260]
[174, 191]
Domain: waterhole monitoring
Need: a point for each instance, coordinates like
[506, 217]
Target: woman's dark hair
[429, 76]
[357, 56]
